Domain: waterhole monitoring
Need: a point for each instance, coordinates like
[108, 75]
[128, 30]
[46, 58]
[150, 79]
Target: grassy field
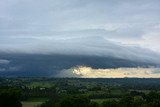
[101, 100]
[30, 104]
[40, 84]
[37, 99]
[33, 102]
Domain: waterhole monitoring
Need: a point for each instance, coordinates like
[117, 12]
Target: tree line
[152, 99]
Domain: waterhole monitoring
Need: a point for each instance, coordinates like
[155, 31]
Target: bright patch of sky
[88, 72]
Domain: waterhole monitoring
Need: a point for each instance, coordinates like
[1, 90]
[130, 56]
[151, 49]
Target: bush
[10, 98]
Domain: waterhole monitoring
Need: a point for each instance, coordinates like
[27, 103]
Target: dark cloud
[4, 61]
[47, 65]
[125, 31]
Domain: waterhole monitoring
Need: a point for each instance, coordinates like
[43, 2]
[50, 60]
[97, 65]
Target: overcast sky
[48, 25]
[69, 33]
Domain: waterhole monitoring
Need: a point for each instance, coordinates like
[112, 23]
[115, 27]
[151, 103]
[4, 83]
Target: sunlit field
[30, 104]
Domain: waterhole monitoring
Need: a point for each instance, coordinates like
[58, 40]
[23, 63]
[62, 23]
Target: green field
[101, 100]
[40, 84]
[30, 104]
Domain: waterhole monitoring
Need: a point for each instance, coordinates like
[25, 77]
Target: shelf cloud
[120, 33]
[4, 61]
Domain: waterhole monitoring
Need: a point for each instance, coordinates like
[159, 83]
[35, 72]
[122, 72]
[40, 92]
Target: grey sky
[48, 25]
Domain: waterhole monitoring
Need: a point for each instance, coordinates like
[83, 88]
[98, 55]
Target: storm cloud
[116, 33]
[4, 61]
[28, 22]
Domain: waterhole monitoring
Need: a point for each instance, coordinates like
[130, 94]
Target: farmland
[44, 91]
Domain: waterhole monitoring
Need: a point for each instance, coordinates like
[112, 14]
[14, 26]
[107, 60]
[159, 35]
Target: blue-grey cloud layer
[83, 27]
[52, 65]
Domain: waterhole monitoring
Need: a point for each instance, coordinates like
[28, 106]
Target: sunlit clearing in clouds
[88, 72]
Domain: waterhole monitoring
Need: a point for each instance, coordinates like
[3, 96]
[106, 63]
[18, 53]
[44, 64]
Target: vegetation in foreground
[73, 92]
[10, 98]
[146, 100]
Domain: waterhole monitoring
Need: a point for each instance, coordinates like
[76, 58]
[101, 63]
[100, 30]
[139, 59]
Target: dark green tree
[10, 98]
[110, 103]
[94, 104]
[127, 101]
